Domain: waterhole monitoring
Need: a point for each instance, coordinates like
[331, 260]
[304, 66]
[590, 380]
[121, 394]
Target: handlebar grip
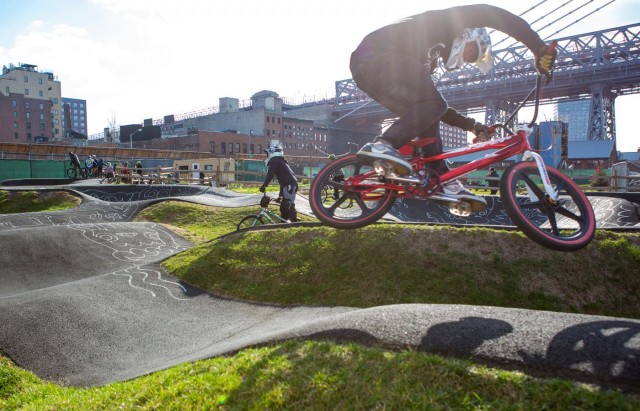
[552, 46]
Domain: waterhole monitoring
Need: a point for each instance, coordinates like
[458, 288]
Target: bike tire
[366, 206]
[325, 193]
[250, 221]
[568, 225]
[84, 172]
[72, 173]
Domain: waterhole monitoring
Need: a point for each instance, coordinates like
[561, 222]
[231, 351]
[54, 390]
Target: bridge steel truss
[598, 66]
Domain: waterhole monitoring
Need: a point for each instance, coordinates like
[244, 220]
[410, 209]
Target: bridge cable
[534, 22]
[560, 18]
[581, 18]
[520, 15]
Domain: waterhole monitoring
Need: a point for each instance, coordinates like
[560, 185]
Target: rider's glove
[482, 132]
[545, 59]
[262, 189]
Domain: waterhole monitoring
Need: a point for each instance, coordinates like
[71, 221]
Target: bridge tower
[602, 124]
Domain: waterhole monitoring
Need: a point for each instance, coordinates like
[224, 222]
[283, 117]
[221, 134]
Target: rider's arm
[270, 173]
[453, 118]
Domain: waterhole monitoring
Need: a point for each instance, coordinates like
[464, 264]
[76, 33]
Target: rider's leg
[403, 85]
[288, 204]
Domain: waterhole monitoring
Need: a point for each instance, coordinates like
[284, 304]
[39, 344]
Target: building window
[26, 79]
[26, 91]
[54, 100]
[15, 114]
[230, 147]
[39, 81]
[15, 135]
[41, 106]
[238, 148]
[27, 105]
[14, 103]
[41, 116]
[40, 93]
[28, 115]
[267, 119]
[244, 148]
[212, 149]
[15, 125]
[223, 148]
[8, 90]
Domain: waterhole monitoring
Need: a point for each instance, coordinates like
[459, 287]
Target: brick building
[30, 105]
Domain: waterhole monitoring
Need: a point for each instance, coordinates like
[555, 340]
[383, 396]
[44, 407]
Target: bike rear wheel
[361, 199]
[250, 221]
[84, 172]
[566, 225]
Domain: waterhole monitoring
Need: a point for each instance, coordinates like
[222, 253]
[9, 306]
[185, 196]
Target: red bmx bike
[540, 200]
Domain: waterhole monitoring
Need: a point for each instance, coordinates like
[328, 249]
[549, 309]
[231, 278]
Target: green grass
[315, 375]
[319, 265]
[33, 201]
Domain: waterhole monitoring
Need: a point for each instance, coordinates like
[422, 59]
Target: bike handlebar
[550, 49]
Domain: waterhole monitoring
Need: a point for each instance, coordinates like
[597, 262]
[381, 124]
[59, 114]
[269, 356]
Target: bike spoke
[569, 214]
[533, 187]
[551, 216]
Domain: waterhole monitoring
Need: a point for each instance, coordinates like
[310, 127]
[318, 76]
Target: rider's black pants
[404, 86]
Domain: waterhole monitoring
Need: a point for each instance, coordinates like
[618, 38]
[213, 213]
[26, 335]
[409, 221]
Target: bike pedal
[384, 168]
[461, 209]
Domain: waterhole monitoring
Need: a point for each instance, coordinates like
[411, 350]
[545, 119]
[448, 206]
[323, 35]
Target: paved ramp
[84, 301]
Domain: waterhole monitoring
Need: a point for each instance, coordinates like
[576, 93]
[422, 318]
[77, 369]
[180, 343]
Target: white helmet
[481, 37]
[273, 151]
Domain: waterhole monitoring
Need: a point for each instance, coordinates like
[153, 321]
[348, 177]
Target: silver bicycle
[264, 217]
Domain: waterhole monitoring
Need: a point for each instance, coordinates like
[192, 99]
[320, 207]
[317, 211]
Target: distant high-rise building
[75, 115]
[30, 105]
[576, 114]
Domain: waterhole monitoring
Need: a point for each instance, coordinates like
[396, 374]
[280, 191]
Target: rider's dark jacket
[416, 36]
[279, 168]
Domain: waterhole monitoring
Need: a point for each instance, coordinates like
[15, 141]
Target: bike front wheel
[567, 224]
[71, 173]
[360, 199]
[250, 221]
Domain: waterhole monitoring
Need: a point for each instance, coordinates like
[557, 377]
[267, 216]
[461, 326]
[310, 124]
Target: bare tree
[114, 128]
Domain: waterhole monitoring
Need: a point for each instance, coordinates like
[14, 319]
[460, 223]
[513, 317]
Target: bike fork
[551, 192]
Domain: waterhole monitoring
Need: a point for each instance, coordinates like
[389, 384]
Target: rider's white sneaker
[380, 150]
[455, 189]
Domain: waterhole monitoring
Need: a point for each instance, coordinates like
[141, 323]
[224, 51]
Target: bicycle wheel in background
[365, 200]
[325, 193]
[84, 172]
[566, 225]
[250, 221]
[72, 173]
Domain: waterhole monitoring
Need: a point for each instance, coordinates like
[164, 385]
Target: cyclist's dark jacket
[279, 168]
[415, 35]
[74, 160]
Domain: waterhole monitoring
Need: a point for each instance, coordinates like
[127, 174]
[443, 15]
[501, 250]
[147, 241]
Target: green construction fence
[11, 169]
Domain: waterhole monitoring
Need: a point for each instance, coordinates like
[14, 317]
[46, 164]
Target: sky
[138, 59]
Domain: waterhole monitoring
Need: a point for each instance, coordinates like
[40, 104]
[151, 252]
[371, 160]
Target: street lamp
[131, 137]
[250, 148]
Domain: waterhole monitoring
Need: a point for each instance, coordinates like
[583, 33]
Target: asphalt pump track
[84, 301]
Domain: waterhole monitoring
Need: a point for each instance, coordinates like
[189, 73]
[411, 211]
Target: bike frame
[265, 212]
[511, 145]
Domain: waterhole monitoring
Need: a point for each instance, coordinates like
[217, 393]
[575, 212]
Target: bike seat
[409, 148]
